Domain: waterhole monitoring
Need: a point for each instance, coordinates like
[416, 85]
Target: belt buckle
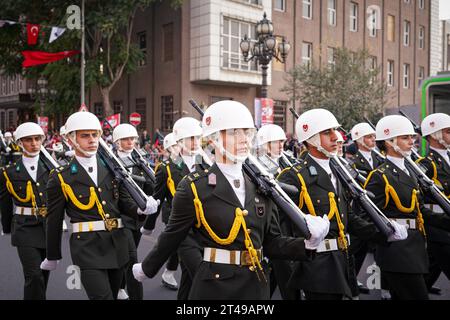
[111, 223]
[42, 212]
[246, 260]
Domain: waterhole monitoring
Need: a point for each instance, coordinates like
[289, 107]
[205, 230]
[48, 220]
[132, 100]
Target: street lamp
[41, 93]
[264, 48]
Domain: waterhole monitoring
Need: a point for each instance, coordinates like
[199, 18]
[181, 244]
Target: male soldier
[364, 161]
[66, 153]
[124, 137]
[229, 219]
[327, 276]
[270, 139]
[23, 184]
[15, 152]
[94, 200]
[403, 264]
[436, 129]
[186, 133]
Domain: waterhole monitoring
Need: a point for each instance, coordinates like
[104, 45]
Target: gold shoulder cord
[170, 182]
[29, 193]
[238, 223]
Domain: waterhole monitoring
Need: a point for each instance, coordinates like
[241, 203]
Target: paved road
[11, 279]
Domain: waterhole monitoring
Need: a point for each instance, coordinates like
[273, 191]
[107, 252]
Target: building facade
[193, 52]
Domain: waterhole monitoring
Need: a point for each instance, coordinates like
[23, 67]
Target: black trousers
[281, 271]
[35, 279]
[439, 254]
[406, 286]
[322, 296]
[102, 284]
[135, 288]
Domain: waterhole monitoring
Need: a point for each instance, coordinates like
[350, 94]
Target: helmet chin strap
[88, 154]
[394, 145]
[29, 154]
[233, 158]
[315, 141]
[361, 142]
[438, 136]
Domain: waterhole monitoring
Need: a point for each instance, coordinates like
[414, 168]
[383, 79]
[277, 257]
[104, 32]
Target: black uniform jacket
[328, 271]
[95, 249]
[215, 280]
[441, 171]
[162, 192]
[360, 163]
[409, 255]
[27, 230]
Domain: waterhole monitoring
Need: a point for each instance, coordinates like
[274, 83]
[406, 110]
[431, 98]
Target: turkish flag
[113, 120]
[34, 58]
[32, 33]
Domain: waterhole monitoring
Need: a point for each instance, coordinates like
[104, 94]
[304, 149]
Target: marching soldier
[23, 185]
[230, 220]
[436, 129]
[364, 162]
[124, 137]
[65, 154]
[94, 200]
[270, 139]
[403, 264]
[327, 276]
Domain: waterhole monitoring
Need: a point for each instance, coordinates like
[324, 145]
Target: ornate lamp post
[264, 48]
[41, 92]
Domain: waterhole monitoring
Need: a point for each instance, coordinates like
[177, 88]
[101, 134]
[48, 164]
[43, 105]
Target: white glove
[400, 232]
[318, 227]
[69, 153]
[8, 149]
[138, 273]
[150, 208]
[146, 232]
[49, 265]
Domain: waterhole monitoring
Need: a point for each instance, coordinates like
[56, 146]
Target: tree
[348, 88]
[110, 51]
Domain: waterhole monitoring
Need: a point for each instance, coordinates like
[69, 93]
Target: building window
[167, 47]
[390, 73]
[141, 108]
[421, 4]
[98, 109]
[307, 9]
[406, 33]
[421, 37]
[255, 2]
[166, 114]
[280, 5]
[421, 74]
[117, 107]
[279, 113]
[332, 12]
[307, 54]
[353, 16]
[390, 28]
[11, 122]
[331, 58]
[277, 65]
[3, 121]
[214, 99]
[372, 68]
[373, 18]
[142, 43]
[406, 76]
[233, 32]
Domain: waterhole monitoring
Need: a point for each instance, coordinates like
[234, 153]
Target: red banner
[34, 58]
[113, 120]
[266, 111]
[32, 33]
[43, 123]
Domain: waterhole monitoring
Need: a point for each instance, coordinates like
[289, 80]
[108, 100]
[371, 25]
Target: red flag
[113, 120]
[34, 58]
[32, 33]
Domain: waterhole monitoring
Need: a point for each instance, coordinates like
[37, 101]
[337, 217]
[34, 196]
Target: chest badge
[212, 181]
[260, 210]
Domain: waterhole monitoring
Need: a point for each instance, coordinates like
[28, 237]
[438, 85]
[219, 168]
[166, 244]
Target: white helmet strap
[393, 144]
[361, 142]
[315, 141]
[439, 137]
[88, 154]
[233, 158]
[29, 154]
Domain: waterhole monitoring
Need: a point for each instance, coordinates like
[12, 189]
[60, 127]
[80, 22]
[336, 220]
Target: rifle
[425, 182]
[115, 166]
[48, 160]
[268, 186]
[3, 145]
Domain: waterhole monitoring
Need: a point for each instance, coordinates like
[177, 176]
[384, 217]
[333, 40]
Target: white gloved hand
[151, 207]
[49, 265]
[146, 232]
[318, 227]
[69, 153]
[400, 232]
[138, 273]
[8, 149]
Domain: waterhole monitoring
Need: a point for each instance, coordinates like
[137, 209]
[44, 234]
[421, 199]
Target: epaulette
[194, 176]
